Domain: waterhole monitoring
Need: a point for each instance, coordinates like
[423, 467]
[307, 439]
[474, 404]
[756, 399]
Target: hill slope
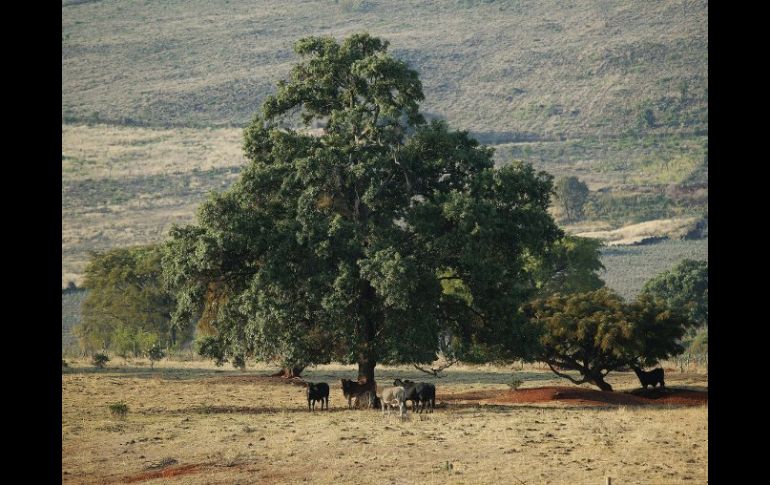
[507, 70]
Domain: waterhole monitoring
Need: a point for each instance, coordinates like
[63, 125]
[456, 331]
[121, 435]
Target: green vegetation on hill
[628, 268]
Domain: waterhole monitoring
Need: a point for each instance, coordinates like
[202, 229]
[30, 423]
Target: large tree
[596, 332]
[379, 238]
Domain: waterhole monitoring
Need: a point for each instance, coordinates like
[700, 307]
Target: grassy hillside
[508, 70]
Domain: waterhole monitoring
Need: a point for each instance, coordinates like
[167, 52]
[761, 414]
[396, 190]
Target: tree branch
[434, 372]
[565, 376]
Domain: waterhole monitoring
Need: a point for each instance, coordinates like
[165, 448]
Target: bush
[100, 360]
[515, 382]
[64, 363]
[155, 353]
[118, 409]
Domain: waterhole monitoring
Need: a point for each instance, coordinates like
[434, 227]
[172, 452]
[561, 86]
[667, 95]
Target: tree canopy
[684, 287]
[596, 332]
[127, 309]
[570, 265]
[380, 238]
[572, 195]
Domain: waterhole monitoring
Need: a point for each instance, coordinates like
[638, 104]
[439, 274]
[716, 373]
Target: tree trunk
[366, 370]
[598, 380]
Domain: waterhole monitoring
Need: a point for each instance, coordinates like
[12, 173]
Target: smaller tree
[99, 360]
[700, 343]
[684, 288]
[155, 353]
[646, 118]
[596, 332]
[572, 195]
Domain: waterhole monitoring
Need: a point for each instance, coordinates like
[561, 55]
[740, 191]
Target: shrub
[64, 363]
[118, 409]
[100, 360]
[515, 382]
[155, 353]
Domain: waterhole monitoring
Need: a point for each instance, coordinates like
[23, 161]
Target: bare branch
[582, 381]
[435, 372]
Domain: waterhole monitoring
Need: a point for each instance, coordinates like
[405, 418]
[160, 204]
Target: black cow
[420, 393]
[317, 392]
[362, 392]
[651, 378]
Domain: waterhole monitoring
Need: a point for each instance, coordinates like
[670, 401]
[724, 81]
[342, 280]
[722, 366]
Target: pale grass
[177, 411]
[100, 151]
[636, 232]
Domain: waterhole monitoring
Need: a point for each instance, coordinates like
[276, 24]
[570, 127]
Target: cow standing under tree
[359, 390]
[651, 378]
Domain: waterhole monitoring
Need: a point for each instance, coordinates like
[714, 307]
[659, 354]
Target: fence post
[608, 481]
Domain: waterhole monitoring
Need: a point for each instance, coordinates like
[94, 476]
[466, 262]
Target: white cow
[393, 396]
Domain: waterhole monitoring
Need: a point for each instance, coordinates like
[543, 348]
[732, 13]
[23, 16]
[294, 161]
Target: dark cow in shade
[317, 392]
[362, 392]
[650, 378]
[420, 393]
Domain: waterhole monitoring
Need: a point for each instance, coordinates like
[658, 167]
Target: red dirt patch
[165, 473]
[582, 396]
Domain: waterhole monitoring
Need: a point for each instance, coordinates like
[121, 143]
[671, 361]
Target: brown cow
[357, 390]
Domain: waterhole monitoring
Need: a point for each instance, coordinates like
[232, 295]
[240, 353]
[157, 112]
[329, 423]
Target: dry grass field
[193, 423]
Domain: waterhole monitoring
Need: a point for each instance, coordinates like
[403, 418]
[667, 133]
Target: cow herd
[421, 394]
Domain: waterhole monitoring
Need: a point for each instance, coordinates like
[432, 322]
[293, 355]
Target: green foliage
[572, 195]
[155, 353]
[685, 288]
[646, 117]
[100, 360]
[569, 266]
[515, 382]
[621, 209]
[597, 332]
[700, 343]
[212, 348]
[126, 308]
[629, 268]
[118, 409]
[336, 246]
